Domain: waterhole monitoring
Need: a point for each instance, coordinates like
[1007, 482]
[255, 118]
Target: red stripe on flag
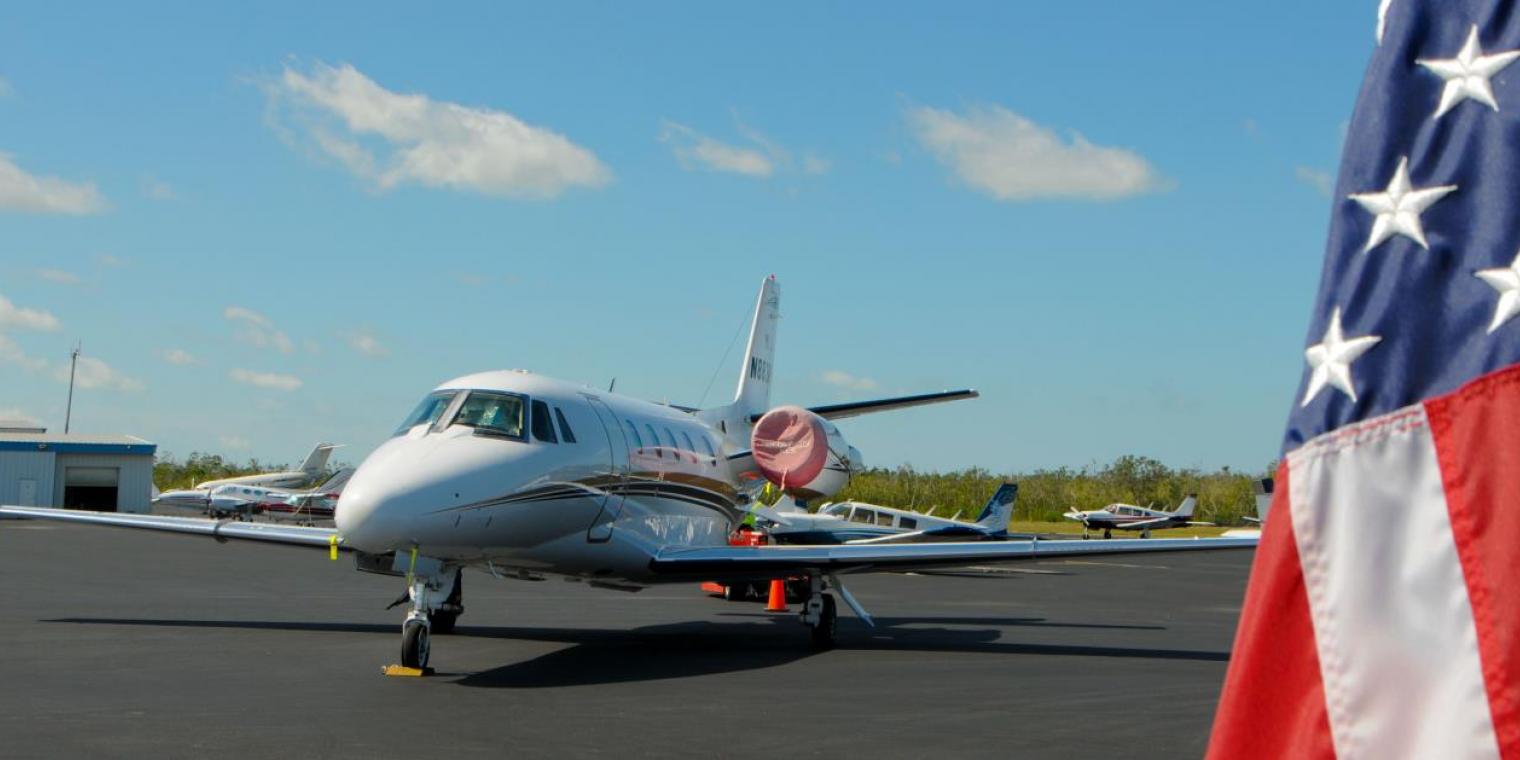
[1273, 705]
[1477, 436]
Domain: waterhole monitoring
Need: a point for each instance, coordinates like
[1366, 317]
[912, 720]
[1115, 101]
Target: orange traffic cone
[777, 601]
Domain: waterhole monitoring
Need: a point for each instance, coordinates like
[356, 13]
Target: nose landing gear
[820, 613]
[431, 611]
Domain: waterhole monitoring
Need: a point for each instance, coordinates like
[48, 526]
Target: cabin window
[863, 516]
[691, 448]
[492, 414]
[670, 440]
[428, 411]
[633, 435]
[564, 427]
[543, 426]
[883, 518]
[654, 440]
[907, 522]
[707, 447]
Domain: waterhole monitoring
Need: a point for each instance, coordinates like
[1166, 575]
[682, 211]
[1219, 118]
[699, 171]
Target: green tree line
[170, 473]
[1224, 496]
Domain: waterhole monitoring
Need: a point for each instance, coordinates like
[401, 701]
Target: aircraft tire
[415, 646]
[823, 633]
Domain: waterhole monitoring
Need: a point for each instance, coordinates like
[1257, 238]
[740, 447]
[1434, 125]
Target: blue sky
[280, 224]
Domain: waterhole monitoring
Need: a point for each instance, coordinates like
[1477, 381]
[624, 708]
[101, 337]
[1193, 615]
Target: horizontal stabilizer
[857, 408]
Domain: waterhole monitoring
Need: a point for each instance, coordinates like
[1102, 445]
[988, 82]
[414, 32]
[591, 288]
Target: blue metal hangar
[106, 473]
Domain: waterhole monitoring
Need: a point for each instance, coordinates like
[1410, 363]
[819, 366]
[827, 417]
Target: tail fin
[1263, 489]
[753, 395]
[1186, 509]
[316, 461]
[999, 509]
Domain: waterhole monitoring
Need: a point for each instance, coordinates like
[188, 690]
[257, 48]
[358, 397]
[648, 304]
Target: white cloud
[107, 260]
[235, 442]
[27, 193]
[390, 139]
[12, 354]
[59, 276]
[846, 380]
[158, 189]
[1316, 178]
[272, 380]
[257, 330]
[366, 343]
[695, 150]
[12, 315]
[91, 373]
[812, 164]
[15, 416]
[180, 356]
[1012, 158]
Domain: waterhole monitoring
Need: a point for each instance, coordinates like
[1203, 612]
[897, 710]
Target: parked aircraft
[854, 522]
[199, 497]
[1130, 517]
[237, 500]
[520, 476]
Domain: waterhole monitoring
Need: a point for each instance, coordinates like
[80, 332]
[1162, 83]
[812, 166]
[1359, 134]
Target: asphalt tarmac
[130, 644]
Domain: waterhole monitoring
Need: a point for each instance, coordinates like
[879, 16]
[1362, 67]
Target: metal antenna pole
[68, 413]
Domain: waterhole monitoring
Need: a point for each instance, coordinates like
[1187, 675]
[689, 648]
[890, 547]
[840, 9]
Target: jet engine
[803, 453]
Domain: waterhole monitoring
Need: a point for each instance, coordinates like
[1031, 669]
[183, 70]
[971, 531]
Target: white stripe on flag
[1393, 626]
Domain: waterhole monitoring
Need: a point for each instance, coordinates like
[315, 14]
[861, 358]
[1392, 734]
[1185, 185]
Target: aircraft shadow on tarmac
[681, 650]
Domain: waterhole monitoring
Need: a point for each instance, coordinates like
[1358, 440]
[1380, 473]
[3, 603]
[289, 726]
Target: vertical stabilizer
[999, 509]
[1186, 510]
[1263, 490]
[753, 395]
[316, 461]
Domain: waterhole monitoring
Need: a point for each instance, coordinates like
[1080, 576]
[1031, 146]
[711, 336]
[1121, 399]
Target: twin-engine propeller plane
[520, 475]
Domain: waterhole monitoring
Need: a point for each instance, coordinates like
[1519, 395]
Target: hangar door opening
[90, 488]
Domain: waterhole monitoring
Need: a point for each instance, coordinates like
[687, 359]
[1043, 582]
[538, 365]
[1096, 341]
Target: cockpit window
[564, 427]
[428, 411]
[492, 413]
[543, 427]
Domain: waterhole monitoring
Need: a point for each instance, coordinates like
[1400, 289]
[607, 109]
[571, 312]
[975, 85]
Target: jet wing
[857, 408]
[220, 530]
[759, 561]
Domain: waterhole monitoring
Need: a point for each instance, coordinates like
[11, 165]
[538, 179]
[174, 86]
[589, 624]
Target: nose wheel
[820, 615]
[431, 611]
[415, 643]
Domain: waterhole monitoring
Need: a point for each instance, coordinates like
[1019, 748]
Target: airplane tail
[316, 461]
[1186, 510]
[753, 396]
[999, 509]
[1263, 490]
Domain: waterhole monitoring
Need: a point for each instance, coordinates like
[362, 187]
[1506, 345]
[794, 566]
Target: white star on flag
[1506, 280]
[1331, 359]
[1398, 208]
[1467, 75]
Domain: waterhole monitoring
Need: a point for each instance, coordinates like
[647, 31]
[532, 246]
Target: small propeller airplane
[856, 522]
[1130, 517]
[519, 476]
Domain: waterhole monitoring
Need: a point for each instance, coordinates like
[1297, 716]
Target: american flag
[1378, 621]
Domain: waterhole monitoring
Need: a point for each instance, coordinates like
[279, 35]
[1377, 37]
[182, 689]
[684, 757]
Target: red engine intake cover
[790, 446]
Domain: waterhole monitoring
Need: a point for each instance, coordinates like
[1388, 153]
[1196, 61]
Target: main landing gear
[820, 613]
[432, 612]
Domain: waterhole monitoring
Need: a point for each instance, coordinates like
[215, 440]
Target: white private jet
[1130, 517]
[520, 475]
[855, 522]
